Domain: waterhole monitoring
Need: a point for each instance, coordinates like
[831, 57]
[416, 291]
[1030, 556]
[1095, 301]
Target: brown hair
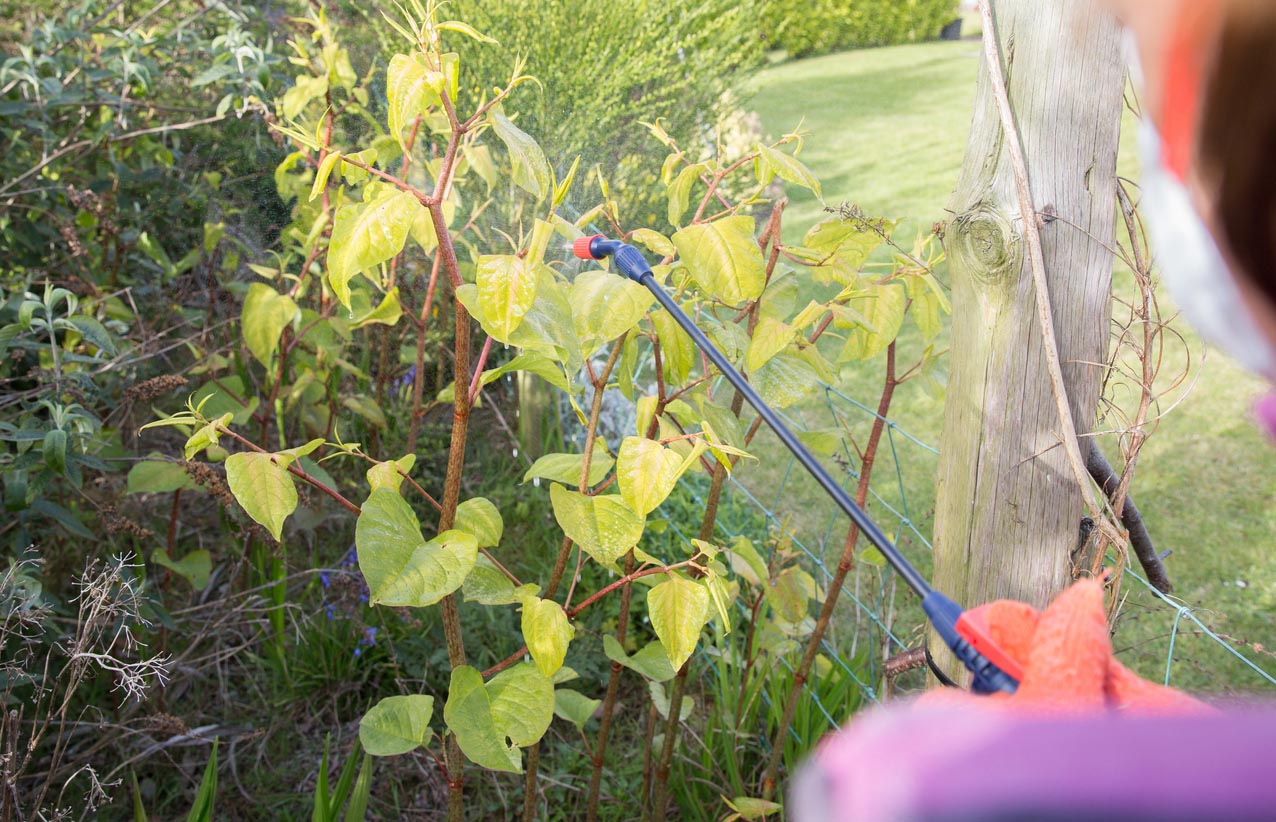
[1238, 140]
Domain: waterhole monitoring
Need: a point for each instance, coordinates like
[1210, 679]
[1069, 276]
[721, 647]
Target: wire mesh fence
[876, 619]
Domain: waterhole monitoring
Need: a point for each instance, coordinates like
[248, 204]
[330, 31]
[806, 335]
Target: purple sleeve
[959, 765]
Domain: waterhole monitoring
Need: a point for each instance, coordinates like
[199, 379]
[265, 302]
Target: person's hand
[1066, 654]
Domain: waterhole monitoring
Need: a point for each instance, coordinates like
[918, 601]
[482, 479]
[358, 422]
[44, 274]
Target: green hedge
[606, 66]
[808, 27]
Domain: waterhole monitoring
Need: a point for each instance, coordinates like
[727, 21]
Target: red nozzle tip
[580, 247]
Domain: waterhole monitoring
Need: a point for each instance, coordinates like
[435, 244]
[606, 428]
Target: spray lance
[965, 634]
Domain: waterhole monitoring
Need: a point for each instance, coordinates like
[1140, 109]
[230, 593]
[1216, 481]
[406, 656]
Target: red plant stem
[585, 603]
[172, 521]
[476, 384]
[835, 585]
[295, 471]
[418, 383]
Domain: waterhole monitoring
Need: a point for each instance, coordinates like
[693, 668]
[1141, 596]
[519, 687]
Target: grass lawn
[887, 131]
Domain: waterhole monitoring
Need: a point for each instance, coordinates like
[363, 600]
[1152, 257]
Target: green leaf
[752, 809]
[785, 380]
[486, 585]
[677, 351]
[401, 568]
[650, 661]
[411, 88]
[466, 29]
[679, 609]
[479, 518]
[195, 567]
[206, 794]
[93, 331]
[396, 725]
[387, 312]
[724, 259]
[746, 562]
[883, 306]
[790, 594]
[205, 437]
[387, 474]
[566, 468]
[655, 242]
[531, 169]
[263, 487]
[770, 337]
[646, 472]
[840, 248]
[680, 192]
[226, 395]
[605, 527]
[265, 315]
[325, 171]
[789, 168]
[522, 703]
[468, 715]
[547, 632]
[518, 703]
[305, 89]
[159, 477]
[574, 707]
[929, 303]
[506, 291]
[54, 450]
[367, 234]
[604, 306]
[533, 363]
[660, 699]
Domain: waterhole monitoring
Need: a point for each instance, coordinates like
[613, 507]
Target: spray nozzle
[628, 259]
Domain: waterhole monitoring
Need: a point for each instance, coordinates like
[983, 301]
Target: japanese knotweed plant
[402, 185]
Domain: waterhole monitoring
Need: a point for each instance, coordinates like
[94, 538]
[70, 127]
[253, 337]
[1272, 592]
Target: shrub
[805, 27]
[605, 67]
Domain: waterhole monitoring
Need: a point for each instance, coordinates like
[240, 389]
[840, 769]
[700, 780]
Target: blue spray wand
[992, 668]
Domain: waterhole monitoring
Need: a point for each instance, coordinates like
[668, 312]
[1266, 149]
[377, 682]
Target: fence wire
[874, 615]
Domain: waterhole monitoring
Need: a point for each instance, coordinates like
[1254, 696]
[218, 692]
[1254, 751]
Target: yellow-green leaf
[367, 234]
[531, 169]
[468, 715]
[566, 468]
[265, 315]
[506, 291]
[547, 632]
[883, 306]
[605, 527]
[321, 176]
[479, 518]
[400, 567]
[677, 351]
[774, 162]
[387, 474]
[646, 472]
[263, 487]
[770, 337]
[724, 259]
[397, 725]
[412, 88]
[679, 609]
[604, 306]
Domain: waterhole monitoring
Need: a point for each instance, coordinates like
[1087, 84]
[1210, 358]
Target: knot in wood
[986, 245]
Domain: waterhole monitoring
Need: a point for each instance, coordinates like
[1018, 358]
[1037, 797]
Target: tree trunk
[1008, 509]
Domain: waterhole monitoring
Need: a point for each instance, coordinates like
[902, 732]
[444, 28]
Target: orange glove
[1066, 654]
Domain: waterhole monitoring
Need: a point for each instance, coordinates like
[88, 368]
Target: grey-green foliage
[606, 66]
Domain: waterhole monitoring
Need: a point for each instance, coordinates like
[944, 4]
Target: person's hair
[1237, 139]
